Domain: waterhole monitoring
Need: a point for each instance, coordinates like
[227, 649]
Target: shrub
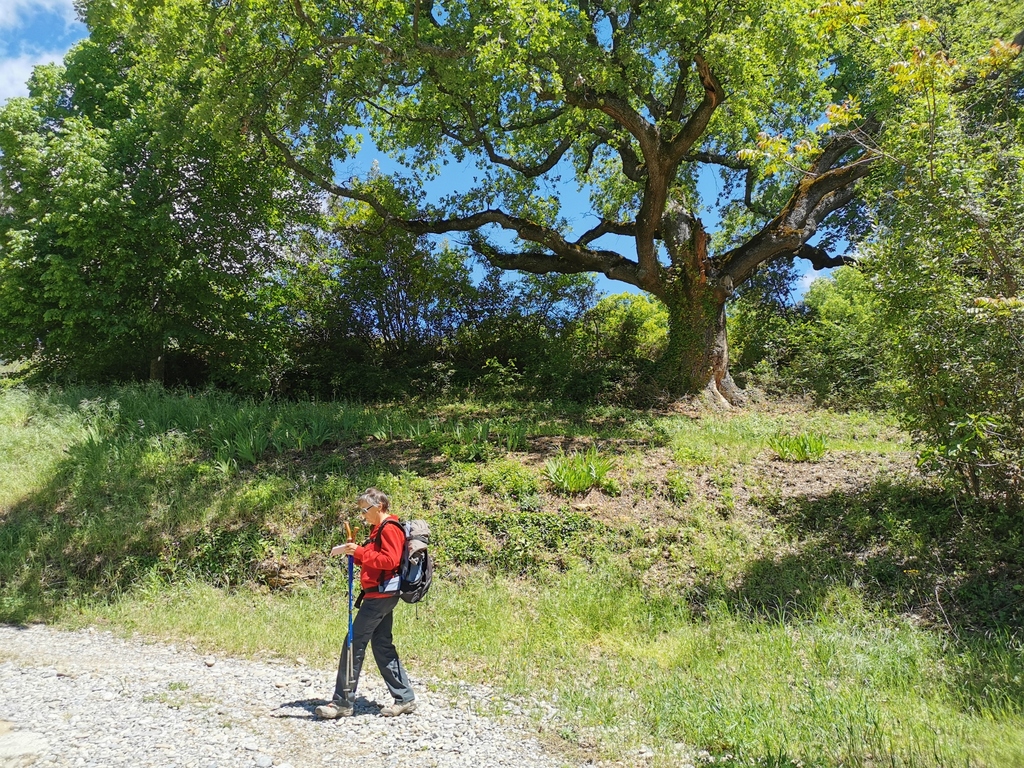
[945, 260]
[826, 346]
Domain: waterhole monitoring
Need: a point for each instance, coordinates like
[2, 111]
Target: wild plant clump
[576, 473]
[802, 447]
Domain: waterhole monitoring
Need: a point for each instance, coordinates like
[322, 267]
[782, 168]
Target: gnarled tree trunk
[697, 356]
[696, 359]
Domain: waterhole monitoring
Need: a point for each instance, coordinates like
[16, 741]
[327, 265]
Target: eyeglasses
[364, 510]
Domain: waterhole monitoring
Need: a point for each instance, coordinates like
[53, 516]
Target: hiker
[378, 560]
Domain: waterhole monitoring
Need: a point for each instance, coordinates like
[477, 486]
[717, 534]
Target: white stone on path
[128, 703]
[19, 748]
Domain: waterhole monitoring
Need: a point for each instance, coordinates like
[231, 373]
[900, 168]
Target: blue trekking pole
[351, 563]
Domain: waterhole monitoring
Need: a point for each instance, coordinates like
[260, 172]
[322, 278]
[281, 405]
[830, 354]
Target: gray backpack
[416, 571]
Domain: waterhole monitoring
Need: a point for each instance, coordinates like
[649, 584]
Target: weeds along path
[88, 698]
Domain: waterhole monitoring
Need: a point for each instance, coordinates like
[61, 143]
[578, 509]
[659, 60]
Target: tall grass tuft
[579, 472]
[803, 447]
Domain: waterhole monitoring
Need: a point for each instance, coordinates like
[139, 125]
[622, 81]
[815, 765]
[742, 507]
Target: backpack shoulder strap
[380, 530]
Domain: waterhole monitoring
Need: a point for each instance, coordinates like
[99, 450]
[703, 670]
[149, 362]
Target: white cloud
[15, 71]
[13, 13]
[805, 282]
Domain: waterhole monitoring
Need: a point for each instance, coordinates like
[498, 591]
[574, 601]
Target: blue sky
[36, 32]
[33, 32]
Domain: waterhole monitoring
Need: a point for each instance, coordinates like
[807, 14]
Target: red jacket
[379, 561]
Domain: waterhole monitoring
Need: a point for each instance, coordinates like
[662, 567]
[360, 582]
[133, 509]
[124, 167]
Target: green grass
[846, 686]
[739, 438]
[802, 447]
[577, 472]
[877, 626]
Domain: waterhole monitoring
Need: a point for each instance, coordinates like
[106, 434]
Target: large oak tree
[519, 100]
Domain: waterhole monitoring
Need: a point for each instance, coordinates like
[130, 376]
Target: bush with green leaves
[613, 347]
[127, 252]
[825, 346]
[946, 260]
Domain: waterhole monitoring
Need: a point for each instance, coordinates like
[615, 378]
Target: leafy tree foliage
[947, 259]
[125, 238]
[827, 346]
[613, 349]
[367, 306]
[373, 311]
[631, 101]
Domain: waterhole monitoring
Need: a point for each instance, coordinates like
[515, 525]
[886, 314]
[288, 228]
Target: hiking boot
[399, 708]
[334, 710]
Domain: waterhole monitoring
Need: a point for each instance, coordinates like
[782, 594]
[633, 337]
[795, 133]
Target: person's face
[369, 512]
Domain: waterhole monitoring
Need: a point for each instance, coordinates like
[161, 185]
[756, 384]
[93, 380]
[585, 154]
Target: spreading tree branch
[613, 265]
[633, 168]
[530, 171]
[619, 110]
[698, 121]
[820, 258]
[606, 227]
[564, 256]
[678, 103]
[819, 193]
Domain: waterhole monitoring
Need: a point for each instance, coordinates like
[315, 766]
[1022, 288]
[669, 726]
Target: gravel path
[88, 698]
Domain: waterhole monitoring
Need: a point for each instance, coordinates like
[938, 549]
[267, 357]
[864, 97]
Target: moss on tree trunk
[696, 359]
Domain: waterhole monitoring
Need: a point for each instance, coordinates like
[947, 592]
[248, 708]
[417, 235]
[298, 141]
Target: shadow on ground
[906, 547]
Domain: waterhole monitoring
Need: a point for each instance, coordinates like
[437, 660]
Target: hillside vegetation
[772, 586]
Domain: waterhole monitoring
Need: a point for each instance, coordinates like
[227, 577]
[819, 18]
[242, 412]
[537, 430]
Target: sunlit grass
[762, 638]
[847, 686]
[33, 435]
[740, 437]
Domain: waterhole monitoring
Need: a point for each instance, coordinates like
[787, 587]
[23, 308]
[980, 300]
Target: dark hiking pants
[372, 625]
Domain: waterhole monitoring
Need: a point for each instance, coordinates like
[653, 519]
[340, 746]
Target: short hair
[375, 497]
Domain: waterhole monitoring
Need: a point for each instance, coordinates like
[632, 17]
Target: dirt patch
[648, 497]
[657, 491]
[838, 472]
[283, 574]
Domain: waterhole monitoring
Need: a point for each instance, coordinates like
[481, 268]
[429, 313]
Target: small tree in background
[368, 306]
[825, 346]
[125, 238]
[947, 263]
[374, 311]
[614, 349]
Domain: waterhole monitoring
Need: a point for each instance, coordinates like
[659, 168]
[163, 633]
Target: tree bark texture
[697, 355]
[157, 367]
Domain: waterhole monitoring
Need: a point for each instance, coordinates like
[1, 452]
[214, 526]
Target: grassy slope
[710, 598]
